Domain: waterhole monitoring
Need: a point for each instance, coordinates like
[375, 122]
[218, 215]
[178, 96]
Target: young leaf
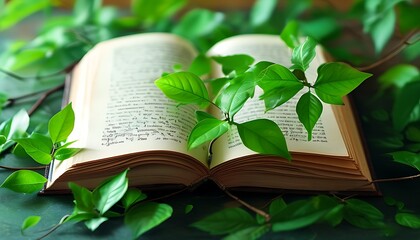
[262, 11]
[30, 222]
[278, 96]
[200, 115]
[197, 23]
[93, 223]
[303, 54]
[82, 196]
[309, 109]
[335, 216]
[185, 88]
[277, 76]
[277, 206]
[363, 215]
[250, 233]
[201, 65]
[408, 220]
[406, 107]
[336, 80]
[398, 75]
[2, 139]
[408, 158]
[65, 153]
[24, 181]
[238, 63]
[110, 192]
[188, 208]
[228, 220]
[15, 11]
[217, 84]
[143, 217]
[15, 127]
[149, 12]
[38, 147]
[207, 130]
[61, 124]
[132, 196]
[290, 34]
[263, 136]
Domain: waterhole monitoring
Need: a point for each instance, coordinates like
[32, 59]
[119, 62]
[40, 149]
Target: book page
[121, 111]
[326, 137]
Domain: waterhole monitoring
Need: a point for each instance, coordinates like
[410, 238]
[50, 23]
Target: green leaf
[218, 84]
[61, 124]
[198, 23]
[303, 54]
[277, 76]
[207, 130]
[335, 216]
[110, 192]
[363, 215]
[232, 99]
[228, 220]
[263, 136]
[406, 107]
[93, 223]
[85, 10]
[302, 213]
[399, 75]
[82, 196]
[188, 208]
[309, 109]
[37, 146]
[262, 11]
[408, 220]
[17, 10]
[321, 27]
[336, 80]
[200, 115]
[24, 181]
[16, 126]
[290, 34]
[277, 206]
[150, 12]
[250, 233]
[143, 217]
[132, 196]
[2, 139]
[185, 88]
[408, 158]
[408, 15]
[278, 96]
[64, 153]
[238, 63]
[30, 221]
[201, 65]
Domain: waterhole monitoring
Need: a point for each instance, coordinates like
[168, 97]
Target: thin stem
[396, 179]
[22, 168]
[18, 77]
[250, 207]
[400, 46]
[44, 96]
[11, 101]
[167, 195]
[54, 227]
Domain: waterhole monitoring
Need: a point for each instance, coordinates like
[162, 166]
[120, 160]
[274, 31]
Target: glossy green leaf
[408, 158]
[82, 196]
[2, 139]
[207, 130]
[110, 192]
[406, 107]
[276, 206]
[290, 34]
[143, 217]
[218, 84]
[80, 215]
[250, 233]
[85, 10]
[408, 220]
[197, 23]
[320, 28]
[188, 208]
[277, 76]
[200, 115]
[399, 75]
[262, 11]
[278, 96]
[229, 220]
[30, 221]
[303, 54]
[132, 196]
[19, 151]
[232, 99]
[16, 126]
[16, 10]
[93, 223]
[64, 153]
[309, 109]
[185, 88]
[150, 12]
[238, 63]
[201, 65]
[263, 136]
[24, 181]
[335, 216]
[37, 146]
[363, 214]
[336, 80]
[61, 124]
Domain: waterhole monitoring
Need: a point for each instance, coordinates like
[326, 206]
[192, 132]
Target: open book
[124, 121]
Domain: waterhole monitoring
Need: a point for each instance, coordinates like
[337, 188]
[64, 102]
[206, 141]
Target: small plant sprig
[279, 83]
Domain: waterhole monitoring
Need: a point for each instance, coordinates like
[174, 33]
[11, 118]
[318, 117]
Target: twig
[18, 77]
[397, 49]
[250, 207]
[22, 168]
[43, 97]
[167, 195]
[396, 179]
[63, 219]
[12, 101]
